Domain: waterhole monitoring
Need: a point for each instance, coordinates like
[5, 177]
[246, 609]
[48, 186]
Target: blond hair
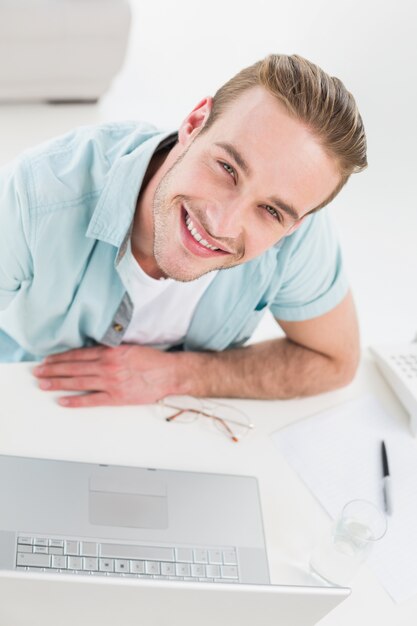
[320, 101]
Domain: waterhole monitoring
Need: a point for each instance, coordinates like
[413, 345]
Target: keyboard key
[121, 565]
[59, 561]
[200, 556]
[229, 571]
[152, 567]
[183, 569]
[28, 541]
[33, 560]
[184, 555]
[168, 569]
[40, 541]
[198, 570]
[90, 563]
[143, 553]
[106, 565]
[229, 557]
[57, 551]
[40, 549]
[72, 548]
[75, 562]
[24, 548]
[137, 567]
[213, 571]
[215, 557]
[56, 543]
[88, 548]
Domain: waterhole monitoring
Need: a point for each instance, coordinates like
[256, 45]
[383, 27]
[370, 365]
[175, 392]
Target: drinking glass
[340, 553]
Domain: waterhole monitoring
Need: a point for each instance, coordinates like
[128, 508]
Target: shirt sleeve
[15, 257]
[314, 280]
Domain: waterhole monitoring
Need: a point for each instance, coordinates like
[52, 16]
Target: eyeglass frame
[223, 420]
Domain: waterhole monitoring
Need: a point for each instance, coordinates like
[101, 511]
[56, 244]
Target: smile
[194, 233]
[196, 240]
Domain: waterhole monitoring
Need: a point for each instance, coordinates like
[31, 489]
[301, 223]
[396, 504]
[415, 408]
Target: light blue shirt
[66, 209]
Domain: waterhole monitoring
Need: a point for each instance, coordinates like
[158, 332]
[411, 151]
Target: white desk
[32, 424]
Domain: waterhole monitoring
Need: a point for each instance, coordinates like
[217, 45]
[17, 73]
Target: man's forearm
[322, 354]
[278, 368]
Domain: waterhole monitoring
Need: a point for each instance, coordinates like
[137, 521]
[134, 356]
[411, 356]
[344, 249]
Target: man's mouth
[194, 233]
[199, 238]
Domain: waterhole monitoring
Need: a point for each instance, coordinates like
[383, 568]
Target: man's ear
[194, 122]
[296, 225]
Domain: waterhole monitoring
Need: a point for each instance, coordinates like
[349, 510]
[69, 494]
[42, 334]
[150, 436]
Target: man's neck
[142, 232]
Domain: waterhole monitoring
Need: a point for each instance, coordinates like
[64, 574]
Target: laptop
[99, 544]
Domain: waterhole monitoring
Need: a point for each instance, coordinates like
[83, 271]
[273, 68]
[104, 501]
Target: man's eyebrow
[238, 158]
[235, 154]
[287, 208]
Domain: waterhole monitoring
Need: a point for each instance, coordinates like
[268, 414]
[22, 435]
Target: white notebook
[337, 454]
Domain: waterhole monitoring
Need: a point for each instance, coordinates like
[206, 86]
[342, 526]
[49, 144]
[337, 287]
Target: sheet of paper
[337, 454]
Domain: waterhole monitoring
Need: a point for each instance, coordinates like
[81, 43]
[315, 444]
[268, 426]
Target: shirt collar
[113, 214]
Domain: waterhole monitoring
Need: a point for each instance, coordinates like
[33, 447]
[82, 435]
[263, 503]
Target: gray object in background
[61, 50]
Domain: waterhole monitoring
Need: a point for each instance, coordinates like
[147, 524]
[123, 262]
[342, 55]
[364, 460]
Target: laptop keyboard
[129, 560]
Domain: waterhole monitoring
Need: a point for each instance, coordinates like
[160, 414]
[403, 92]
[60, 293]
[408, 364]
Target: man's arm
[15, 256]
[317, 355]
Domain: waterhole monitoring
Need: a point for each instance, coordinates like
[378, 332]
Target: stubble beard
[180, 269]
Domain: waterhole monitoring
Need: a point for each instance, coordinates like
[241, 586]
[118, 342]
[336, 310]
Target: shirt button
[117, 327]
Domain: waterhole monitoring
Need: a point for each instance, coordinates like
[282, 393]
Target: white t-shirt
[163, 309]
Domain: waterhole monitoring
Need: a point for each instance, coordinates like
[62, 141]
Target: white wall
[180, 51]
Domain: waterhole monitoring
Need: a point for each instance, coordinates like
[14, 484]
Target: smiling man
[139, 262]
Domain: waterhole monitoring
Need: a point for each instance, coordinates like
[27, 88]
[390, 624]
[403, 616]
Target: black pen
[387, 480]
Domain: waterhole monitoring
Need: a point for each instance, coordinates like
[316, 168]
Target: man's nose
[225, 219]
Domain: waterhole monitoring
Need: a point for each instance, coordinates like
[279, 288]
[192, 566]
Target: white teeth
[194, 232]
[196, 235]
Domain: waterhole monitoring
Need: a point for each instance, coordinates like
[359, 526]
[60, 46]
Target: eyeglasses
[229, 420]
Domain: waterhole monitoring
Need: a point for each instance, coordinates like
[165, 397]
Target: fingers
[79, 354]
[69, 368]
[73, 383]
[86, 400]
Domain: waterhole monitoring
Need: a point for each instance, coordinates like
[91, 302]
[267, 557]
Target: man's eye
[273, 212]
[229, 169]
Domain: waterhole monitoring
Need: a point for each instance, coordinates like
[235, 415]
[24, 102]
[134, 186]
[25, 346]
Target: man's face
[238, 188]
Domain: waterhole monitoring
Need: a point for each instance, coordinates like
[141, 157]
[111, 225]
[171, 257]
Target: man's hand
[317, 355]
[127, 374]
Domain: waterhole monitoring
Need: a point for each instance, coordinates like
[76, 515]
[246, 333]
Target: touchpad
[127, 497]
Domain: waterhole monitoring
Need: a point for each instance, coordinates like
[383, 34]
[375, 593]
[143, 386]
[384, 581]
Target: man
[141, 261]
